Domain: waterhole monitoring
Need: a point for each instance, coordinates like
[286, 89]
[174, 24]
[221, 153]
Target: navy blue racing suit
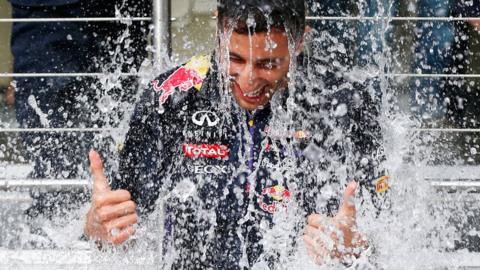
[222, 173]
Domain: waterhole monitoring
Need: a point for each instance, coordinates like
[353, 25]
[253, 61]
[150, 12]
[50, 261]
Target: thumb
[100, 182]
[348, 204]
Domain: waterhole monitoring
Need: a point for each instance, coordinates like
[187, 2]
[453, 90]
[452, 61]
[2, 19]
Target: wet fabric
[221, 174]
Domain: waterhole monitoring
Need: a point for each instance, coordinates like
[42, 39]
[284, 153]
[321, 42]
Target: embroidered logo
[381, 185]
[184, 78]
[205, 150]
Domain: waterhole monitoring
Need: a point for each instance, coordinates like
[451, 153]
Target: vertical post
[161, 32]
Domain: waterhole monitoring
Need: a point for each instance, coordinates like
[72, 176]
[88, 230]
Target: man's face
[259, 64]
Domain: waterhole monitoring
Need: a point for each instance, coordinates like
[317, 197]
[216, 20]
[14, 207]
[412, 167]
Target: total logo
[210, 169]
[205, 117]
[205, 150]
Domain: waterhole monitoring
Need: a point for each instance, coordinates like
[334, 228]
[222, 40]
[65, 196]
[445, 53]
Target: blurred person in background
[369, 39]
[67, 101]
[463, 99]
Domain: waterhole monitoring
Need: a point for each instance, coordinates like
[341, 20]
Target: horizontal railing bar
[455, 184]
[448, 130]
[92, 19]
[310, 18]
[423, 75]
[66, 184]
[59, 130]
[50, 184]
[35, 75]
[388, 18]
[413, 75]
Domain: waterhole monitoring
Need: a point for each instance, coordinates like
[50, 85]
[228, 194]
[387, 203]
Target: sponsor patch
[191, 75]
[205, 150]
[272, 199]
[210, 169]
[205, 118]
[381, 184]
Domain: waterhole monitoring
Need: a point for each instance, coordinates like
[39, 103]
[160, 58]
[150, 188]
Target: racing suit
[222, 173]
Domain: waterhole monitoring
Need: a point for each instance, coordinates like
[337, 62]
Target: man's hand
[10, 94]
[335, 238]
[112, 214]
[475, 24]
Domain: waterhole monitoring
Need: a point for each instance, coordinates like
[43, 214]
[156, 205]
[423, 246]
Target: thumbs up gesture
[328, 238]
[112, 214]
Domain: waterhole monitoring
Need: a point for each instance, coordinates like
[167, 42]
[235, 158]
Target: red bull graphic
[183, 79]
[190, 75]
[205, 150]
[272, 199]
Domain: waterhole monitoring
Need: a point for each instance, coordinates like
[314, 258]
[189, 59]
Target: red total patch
[205, 150]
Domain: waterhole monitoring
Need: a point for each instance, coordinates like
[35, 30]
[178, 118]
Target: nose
[245, 78]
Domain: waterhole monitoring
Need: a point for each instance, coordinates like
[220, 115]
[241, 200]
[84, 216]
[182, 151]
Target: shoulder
[175, 85]
[165, 96]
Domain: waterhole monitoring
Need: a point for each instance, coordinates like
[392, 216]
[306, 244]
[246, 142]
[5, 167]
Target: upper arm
[141, 159]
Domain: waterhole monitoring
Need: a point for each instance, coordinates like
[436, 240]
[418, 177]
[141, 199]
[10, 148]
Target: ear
[299, 47]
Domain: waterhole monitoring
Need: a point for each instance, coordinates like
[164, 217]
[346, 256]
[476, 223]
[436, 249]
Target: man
[220, 144]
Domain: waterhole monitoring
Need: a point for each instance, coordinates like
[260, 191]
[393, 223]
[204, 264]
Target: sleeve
[367, 154]
[144, 157]
[346, 144]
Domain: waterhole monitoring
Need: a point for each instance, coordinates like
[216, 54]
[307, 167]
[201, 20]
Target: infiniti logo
[200, 117]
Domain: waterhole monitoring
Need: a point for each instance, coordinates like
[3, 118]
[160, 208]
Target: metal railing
[161, 39]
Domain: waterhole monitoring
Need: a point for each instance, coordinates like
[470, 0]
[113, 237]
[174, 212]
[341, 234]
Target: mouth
[255, 94]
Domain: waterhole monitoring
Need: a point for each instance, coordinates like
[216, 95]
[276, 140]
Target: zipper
[251, 125]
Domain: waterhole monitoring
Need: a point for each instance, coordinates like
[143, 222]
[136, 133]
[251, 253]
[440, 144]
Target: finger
[314, 232]
[348, 204]
[317, 220]
[121, 223]
[315, 250]
[309, 242]
[123, 236]
[111, 198]
[310, 231]
[100, 182]
[110, 212]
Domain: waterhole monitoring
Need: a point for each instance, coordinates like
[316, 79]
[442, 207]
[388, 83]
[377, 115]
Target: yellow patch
[381, 185]
[300, 134]
[201, 65]
[250, 123]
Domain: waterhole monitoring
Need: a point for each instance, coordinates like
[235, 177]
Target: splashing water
[413, 229]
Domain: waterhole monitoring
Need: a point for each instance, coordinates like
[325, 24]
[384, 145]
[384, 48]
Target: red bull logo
[277, 196]
[183, 78]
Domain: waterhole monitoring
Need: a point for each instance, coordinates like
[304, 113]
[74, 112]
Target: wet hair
[257, 16]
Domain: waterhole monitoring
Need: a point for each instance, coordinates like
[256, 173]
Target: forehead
[273, 43]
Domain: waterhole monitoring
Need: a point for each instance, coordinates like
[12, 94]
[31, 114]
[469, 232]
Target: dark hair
[256, 16]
